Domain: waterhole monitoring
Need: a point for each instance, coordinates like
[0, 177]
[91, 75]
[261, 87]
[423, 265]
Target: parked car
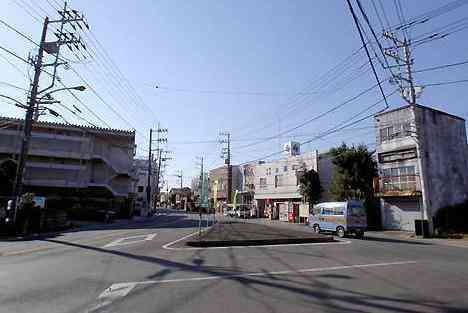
[339, 217]
[243, 211]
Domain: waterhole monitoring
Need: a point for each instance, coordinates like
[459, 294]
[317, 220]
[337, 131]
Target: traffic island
[252, 234]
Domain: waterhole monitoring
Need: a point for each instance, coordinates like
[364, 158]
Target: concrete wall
[443, 139]
[325, 171]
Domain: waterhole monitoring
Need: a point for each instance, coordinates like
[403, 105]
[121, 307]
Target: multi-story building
[219, 176]
[73, 162]
[247, 186]
[140, 174]
[423, 164]
[277, 182]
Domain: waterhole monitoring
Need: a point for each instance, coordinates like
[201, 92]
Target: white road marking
[130, 240]
[168, 245]
[115, 291]
[120, 290]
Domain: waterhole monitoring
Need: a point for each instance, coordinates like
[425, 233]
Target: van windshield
[356, 210]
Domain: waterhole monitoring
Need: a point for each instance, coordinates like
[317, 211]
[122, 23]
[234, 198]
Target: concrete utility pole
[161, 134]
[201, 195]
[162, 138]
[32, 110]
[407, 62]
[226, 155]
[150, 161]
[180, 176]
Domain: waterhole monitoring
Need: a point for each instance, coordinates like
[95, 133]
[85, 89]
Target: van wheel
[340, 231]
[316, 228]
[360, 234]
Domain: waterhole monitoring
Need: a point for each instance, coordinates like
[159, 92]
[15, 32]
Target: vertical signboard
[204, 192]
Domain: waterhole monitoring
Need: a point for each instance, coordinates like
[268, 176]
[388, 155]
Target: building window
[141, 188]
[399, 179]
[277, 170]
[398, 130]
[276, 181]
[268, 171]
[263, 183]
[397, 155]
[285, 168]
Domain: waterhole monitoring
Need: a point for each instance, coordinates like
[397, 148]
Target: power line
[425, 17]
[93, 90]
[13, 86]
[231, 92]
[27, 11]
[17, 32]
[446, 83]
[14, 54]
[377, 14]
[55, 8]
[440, 67]
[315, 84]
[24, 60]
[333, 109]
[364, 43]
[22, 72]
[384, 13]
[341, 126]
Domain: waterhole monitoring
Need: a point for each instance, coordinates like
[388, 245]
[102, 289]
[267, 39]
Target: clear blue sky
[231, 66]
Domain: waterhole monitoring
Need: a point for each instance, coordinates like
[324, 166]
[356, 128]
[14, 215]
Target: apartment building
[277, 182]
[71, 161]
[422, 156]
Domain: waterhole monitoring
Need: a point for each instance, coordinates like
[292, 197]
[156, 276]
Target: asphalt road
[138, 267]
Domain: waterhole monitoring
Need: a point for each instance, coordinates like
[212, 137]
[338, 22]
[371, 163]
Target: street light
[78, 88]
[17, 103]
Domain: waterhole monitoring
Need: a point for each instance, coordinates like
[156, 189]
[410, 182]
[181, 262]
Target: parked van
[340, 217]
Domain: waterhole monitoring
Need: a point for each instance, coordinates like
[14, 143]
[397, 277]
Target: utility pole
[226, 155]
[32, 110]
[161, 136]
[409, 95]
[150, 161]
[202, 195]
[180, 176]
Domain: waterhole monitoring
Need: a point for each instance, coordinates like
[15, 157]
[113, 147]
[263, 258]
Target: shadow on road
[308, 291]
[394, 240]
[154, 222]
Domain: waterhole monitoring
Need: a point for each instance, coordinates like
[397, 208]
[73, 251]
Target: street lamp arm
[78, 88]
[18, 104]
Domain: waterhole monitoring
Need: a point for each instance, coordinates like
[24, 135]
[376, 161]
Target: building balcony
[397, 186]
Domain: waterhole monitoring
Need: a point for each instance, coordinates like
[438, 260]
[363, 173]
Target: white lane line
[115, 291]
[120, 290]
[298, 271]
[130, 240]
[168, 245]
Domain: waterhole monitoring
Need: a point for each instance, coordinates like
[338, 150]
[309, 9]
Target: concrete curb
[257, 242]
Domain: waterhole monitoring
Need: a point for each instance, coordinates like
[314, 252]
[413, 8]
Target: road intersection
[136, 268]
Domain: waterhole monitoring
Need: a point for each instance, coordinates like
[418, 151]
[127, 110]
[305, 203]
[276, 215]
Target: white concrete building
[277, 183]
[423, 164]
[73, 162]
[140, 174]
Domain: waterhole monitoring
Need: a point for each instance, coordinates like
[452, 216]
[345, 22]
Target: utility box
[420, 226]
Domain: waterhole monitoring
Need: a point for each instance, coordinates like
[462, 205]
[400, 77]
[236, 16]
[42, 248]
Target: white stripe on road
[120, 290]
[168, 245]
[130, 240]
